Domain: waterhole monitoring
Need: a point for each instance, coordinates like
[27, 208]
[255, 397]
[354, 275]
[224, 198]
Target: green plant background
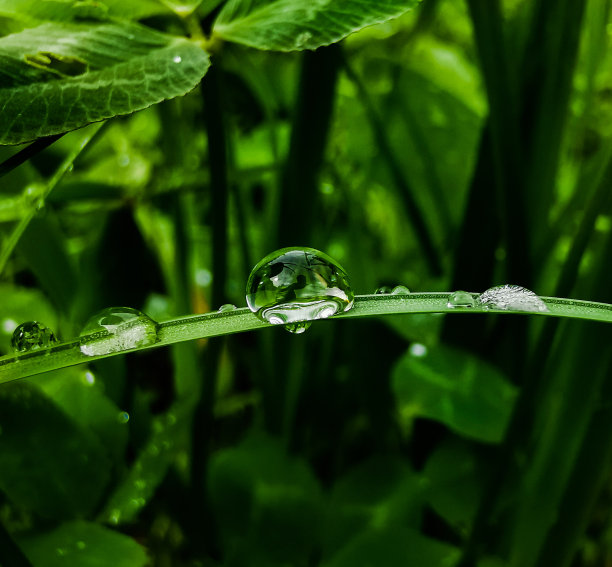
[444, 145]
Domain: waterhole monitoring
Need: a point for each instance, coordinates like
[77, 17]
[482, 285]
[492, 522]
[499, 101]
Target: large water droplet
[32, 335]
[511, 297]
[294, 286]
[116, 329]
[461, 299]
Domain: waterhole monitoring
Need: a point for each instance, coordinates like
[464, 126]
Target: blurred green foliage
[458, 146]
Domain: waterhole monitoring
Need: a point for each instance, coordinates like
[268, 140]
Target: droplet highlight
[116, 329]
[32, 335]
[461, 299]
[294, 286]
[511, 297]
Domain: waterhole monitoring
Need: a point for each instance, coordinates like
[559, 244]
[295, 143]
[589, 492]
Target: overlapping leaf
[58, 77]
[289, 25]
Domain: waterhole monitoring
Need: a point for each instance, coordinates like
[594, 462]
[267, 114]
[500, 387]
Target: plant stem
[406, 193]
[24, 155]
[217, 324]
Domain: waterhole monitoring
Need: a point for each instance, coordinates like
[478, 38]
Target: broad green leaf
[381, 492]
[455, 482]
[29, 11]
[393, 546]
[58, 76]
[83, 544]
[267, 503]
[289, 25]
[465, 393]
[76, 391]
[48, 464]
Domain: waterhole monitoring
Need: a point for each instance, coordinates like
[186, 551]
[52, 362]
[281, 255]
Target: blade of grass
[217, 324]
[406, 193]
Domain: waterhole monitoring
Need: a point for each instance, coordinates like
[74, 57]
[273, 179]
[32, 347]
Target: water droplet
[388, 290]
[61, 551]
[302, 40]
[177, 59]
[89, 378]
[384, 290]
[114, 516]
[8, 325]
[418, 350]
[294, 286]
[140, 484]
[511, 297]
[461, 299]
[123, 417]
[400, 290]
[227, 307]
[81, 545]
[32, 335]
[116, 329]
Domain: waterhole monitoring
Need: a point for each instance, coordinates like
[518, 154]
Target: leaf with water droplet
[83, 544]
[512, 298]
[455, 388]
[294, 286]
[32, 335]
[460, 299]
[116, 329]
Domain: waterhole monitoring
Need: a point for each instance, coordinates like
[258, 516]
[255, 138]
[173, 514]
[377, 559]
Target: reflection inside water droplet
[32, 335]
[461, 299]
[116, 329]
[513, 298]
[293, 286]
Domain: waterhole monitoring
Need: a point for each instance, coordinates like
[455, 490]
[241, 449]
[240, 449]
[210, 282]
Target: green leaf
[455, 482]
[461, 391]
[289, 25]
[35, 11]
[393, 546]
[383, 491]
[267, 503]
[47, 463]
[83, 544]
[76, 391]
[59, 76]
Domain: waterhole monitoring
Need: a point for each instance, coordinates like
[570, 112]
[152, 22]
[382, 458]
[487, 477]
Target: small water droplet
[294, 286]
[177, 59]
[89, 378]
[123, 417]
[388, 290]
[400, 290]
[303, 40]
[32, 335]
[81, 545]
[418, 350]
[460, 299]
[511, 297]
[227, 307]
[8, 325]
[140, 484]
[116, 329]
[114, 516]
[383, 290]
[61, 551]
